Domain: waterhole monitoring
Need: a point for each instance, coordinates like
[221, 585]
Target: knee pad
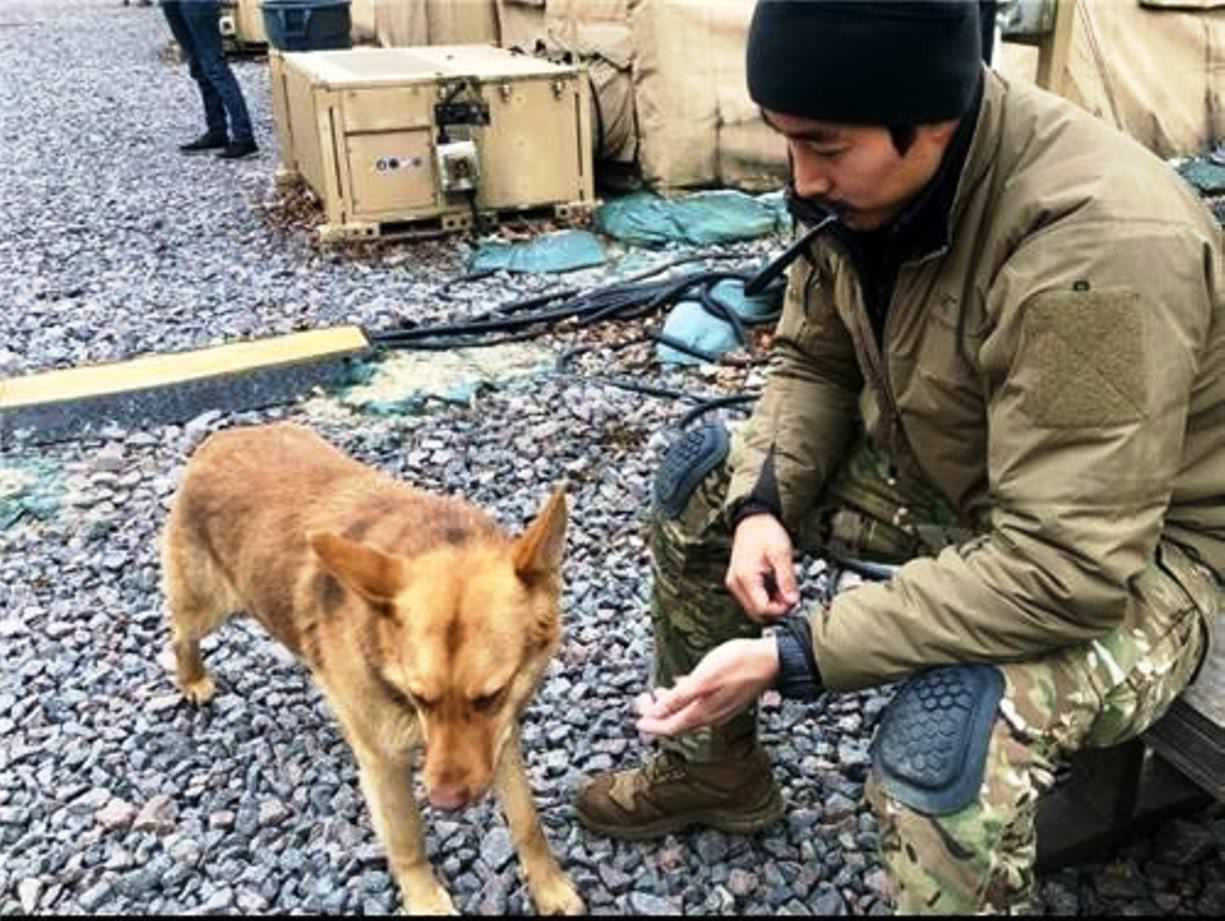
[930, 752]
[686, 463]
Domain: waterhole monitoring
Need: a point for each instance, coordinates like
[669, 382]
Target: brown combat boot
[668, 794]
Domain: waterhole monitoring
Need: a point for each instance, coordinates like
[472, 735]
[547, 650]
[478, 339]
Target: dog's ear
[538, 550]
[371, 573]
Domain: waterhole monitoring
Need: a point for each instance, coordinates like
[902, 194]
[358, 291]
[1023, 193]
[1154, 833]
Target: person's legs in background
[203, 20]
[214, 111]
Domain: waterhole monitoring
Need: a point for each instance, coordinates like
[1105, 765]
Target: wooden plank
[1091, 811]
[1193, 744]
[1110, 795]
[177, 367]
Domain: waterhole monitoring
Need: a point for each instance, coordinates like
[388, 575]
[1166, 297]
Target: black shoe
[206, 141]
[237, 150]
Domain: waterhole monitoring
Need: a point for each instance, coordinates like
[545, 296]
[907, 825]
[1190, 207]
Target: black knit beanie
[866, 62]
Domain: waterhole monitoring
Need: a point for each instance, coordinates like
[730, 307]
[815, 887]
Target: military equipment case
[362, 128]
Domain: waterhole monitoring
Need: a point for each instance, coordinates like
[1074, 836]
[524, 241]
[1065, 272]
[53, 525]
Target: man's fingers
[774, 612]
[662, 704]
[737, 587]
[691, 717]
[759, 599]
[784, 576]
[750, 592]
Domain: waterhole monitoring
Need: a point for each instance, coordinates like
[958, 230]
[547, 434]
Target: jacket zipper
[875, 351]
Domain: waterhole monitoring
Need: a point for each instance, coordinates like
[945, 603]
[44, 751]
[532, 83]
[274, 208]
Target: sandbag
[676, 92]
[563, 251]
[408, 23]
[597, 34]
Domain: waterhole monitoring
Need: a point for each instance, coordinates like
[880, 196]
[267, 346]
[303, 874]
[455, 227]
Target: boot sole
[732, 823]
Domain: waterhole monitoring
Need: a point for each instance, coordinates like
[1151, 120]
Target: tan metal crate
[401, 141]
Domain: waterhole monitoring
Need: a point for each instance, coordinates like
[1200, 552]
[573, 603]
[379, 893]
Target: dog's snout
[450, 798]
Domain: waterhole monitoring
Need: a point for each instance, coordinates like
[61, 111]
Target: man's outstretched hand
[727, 679]
[761, 574]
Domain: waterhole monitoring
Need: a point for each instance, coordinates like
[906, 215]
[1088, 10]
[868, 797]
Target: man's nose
[811, 181]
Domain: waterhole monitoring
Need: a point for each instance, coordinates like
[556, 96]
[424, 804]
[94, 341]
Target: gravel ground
[118, 798]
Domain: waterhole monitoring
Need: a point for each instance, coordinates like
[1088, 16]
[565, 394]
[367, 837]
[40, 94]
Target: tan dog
[423, 622]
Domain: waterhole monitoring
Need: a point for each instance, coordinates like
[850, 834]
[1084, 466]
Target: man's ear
[374, 575]
[538, 550]
[939, 134]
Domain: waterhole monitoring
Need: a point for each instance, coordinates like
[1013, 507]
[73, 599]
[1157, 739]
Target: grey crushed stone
[120, 798]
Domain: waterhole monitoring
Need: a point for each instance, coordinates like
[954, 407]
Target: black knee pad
[931, 749]
[687, 461]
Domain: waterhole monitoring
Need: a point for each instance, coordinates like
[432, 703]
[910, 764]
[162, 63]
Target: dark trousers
[196, 26]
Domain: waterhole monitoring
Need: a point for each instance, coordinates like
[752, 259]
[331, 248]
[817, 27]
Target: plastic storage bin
[308, 25]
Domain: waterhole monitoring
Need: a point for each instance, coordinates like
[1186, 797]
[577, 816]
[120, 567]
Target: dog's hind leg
[198, 600]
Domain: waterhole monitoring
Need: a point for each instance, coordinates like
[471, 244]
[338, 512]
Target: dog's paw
[433, 902]
[559, 897]
[200, 691]
[420, 890]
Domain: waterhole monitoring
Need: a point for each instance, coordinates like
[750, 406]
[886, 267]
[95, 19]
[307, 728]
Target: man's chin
[863, 220]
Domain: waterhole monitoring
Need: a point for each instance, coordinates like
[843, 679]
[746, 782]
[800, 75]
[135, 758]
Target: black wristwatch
[798, 675]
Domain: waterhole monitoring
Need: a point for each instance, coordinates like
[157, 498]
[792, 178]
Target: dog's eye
[487, 701]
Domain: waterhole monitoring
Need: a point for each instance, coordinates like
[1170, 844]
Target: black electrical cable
[717, 309]
[759, 282]
[630, 299]
[443, 292]
[704, 403]
[623, 301]
[674, 343]
[528, 303]
[404, 337]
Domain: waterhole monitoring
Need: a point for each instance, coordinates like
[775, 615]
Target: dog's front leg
[388, 788]
[551, 889]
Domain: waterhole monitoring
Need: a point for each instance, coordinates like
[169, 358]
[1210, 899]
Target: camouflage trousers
[980, 859]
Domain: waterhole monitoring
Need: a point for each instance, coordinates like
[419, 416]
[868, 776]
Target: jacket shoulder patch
[1086, 351]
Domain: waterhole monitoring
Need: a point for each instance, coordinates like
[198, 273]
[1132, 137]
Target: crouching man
[1003, 365]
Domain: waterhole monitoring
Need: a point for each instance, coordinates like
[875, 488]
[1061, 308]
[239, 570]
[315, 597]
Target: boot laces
[664, 767]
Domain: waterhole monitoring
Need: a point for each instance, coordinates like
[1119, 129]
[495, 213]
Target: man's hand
[761, 574]
[727, 679]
